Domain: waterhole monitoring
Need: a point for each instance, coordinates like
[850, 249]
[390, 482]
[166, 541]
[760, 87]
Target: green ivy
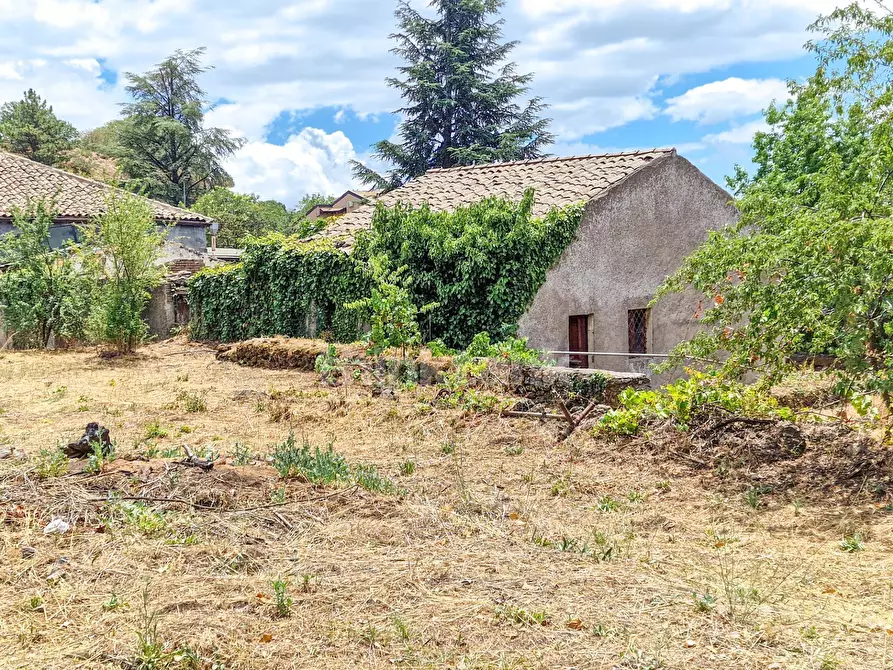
[482, 265]
[282, 287]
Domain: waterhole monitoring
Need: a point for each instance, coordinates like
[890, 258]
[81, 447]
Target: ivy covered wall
[483, 264]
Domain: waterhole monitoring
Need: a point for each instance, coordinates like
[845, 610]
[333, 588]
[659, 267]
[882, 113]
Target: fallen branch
[533, 415]
[208, 508]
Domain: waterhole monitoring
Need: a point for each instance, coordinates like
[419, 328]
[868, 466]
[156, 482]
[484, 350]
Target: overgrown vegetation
[476, 270]
[807, 270]
[683, 401]
[318, 466]
[125, 270]
[43, 292]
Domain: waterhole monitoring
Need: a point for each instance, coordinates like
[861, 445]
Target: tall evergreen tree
[460, 92]
[166, 149]
[30, 127]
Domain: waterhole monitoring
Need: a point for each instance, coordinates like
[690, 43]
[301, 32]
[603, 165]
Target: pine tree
[30, 127]
[461, 95]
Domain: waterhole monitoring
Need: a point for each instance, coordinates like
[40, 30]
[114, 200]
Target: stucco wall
[191, 237]
[629, 241]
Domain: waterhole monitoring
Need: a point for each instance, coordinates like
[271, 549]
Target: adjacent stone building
[77, 200]
[645, 212]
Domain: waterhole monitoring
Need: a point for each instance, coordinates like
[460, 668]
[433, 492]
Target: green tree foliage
[808, 269]
[43, 294]
[482, 264]
[241, 216]
[460, 95]
[392, 315]
[165, 147]
[30, 127]
[129, 242]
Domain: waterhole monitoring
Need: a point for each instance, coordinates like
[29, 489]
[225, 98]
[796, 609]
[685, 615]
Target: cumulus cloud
[727, 99]
[741, 134]
[312, 161]
[600, 63]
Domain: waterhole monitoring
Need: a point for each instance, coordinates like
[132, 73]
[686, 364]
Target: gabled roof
[75, 197]
[558, 182]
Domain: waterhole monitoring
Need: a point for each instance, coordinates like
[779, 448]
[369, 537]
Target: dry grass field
[502, 548]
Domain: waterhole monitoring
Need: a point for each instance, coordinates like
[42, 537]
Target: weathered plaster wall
[191, 237]
[629, 241]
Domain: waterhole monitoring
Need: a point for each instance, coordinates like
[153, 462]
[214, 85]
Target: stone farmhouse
[78, 199]
[645, 212]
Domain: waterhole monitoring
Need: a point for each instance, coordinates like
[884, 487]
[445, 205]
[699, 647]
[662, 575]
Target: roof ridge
[96, 182]
[554, 159]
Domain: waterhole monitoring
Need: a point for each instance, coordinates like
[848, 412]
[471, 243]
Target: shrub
[125, 270]
[51, 463]
[684, 400]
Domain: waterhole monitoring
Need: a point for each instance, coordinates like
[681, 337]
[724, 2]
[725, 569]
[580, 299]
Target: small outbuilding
[645, 212]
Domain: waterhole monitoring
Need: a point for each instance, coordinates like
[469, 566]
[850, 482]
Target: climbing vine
[481, 265]
[282, 287]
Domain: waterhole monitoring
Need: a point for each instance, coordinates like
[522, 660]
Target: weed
[852, 544]
[278, 495]
[113, 603]
[448, 447]
[313, 465]
[809, 633]
[635, 497]
[35, 604]
[193, 403]
[518, 615]
[260, 407]
[541, 540]
[184, 430]
[407, 468]
[369, 479]
[754, 496]
[663, 485]
[151, 652]
[636, 659]
[99, 457]
[704, 602]
[607, 504]
[599, 630]
[83, 404]
[561, 487]
[154, 431]
[51, 463]
[514, 450]
[208, 453]
[280, 411]
[283, 600]
[568, 544]
[829, 663]
[719, 540]
[371, 636]
[402, 629]
[242, 454]
[139, 516]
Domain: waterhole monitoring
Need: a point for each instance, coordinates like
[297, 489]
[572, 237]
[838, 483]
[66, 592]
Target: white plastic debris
[56, 527]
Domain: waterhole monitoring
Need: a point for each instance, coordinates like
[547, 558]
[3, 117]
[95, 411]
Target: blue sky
[303, 80]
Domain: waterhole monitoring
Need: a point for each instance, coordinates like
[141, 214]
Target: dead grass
[508, 550]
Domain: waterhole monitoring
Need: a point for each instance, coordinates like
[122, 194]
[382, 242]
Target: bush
[683, 401]
[125, 270]
[43, 292]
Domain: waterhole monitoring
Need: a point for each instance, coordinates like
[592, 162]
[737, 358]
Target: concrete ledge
[542, 383]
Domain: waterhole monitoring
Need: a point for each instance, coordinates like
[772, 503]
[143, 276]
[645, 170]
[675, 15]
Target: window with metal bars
[637, 323]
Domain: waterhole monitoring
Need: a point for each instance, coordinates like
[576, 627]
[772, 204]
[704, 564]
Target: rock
[5, 453]
[28, 552]
[84, 446]
[56, 527]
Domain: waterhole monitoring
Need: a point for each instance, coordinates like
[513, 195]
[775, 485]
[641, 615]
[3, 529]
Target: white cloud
[599, 63]
[742, 134]
[727, 99]
[312, 161]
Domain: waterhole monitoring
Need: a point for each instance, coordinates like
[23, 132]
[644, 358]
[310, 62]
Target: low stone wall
[543, 383]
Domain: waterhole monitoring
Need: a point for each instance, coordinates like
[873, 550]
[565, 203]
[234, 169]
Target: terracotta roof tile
[558, 182]
[75, 197]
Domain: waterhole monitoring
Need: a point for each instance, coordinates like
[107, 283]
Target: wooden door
[578, 339]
